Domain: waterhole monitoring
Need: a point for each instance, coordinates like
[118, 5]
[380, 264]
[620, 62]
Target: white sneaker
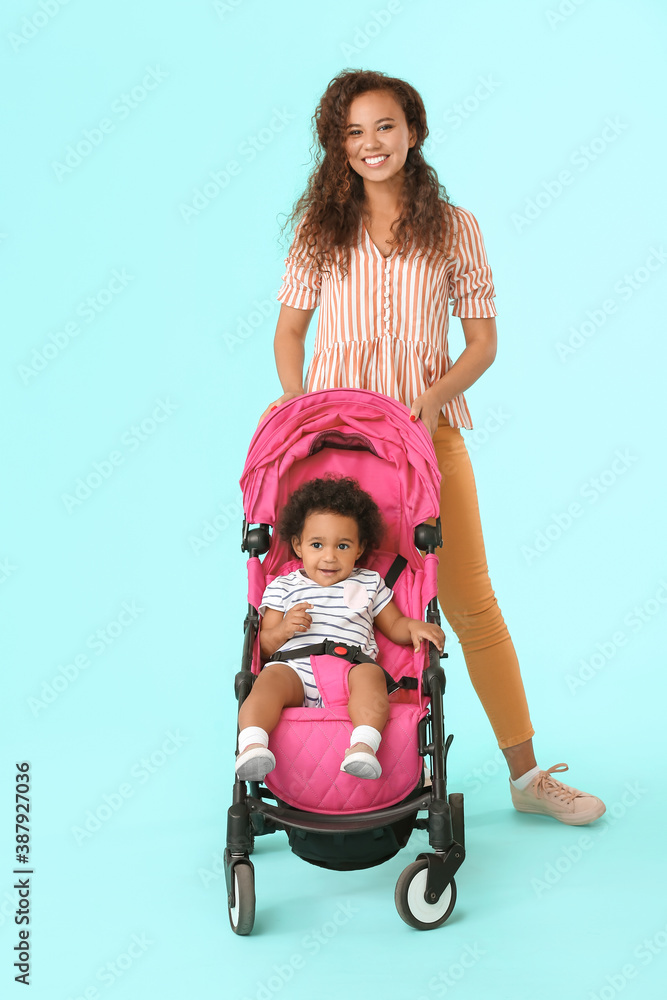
[254, 764]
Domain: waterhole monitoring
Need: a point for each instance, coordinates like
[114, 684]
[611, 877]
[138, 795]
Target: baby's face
[329, 547]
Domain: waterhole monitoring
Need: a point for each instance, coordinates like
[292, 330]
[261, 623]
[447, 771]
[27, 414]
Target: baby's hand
[425, 630]
[297, 620]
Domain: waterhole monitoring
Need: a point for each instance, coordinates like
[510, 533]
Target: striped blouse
[384, 325]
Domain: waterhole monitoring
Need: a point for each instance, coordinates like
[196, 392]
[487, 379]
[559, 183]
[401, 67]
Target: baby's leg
[368, 708]
[278, 686]
[369, 703]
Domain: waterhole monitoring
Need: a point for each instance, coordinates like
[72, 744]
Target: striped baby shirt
[343, 611]
[384, 325]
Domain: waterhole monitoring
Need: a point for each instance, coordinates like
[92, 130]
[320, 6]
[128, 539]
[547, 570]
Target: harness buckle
[332, 648]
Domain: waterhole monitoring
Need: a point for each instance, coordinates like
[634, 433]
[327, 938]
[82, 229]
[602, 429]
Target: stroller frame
[425, 892]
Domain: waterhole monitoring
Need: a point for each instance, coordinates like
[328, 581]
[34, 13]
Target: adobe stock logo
[88, 310]
[33, 23]
[566, 8]
[592, 490]
[625, 288]
[571, 854]
[463, 110]
[98, 642]
[103, 469]
[223, 7]
[212, 528]
[247, 151]
[7, 569]
[142, 771]
[122, 107]
[605, 650]
[247, 325]
[364, 34]
[581, 158]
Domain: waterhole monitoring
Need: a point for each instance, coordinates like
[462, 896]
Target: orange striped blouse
[384, 325]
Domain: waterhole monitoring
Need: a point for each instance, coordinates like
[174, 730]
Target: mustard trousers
[467, 598]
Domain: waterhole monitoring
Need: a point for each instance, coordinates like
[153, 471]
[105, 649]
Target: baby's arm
[277, 628]
[404, 630]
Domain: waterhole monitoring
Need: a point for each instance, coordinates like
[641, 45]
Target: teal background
[145, 716]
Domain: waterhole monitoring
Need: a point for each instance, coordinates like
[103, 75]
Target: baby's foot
[254, 763]
[360, 761]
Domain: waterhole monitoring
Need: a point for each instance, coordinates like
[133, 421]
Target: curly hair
[328, 213]
[332, 495]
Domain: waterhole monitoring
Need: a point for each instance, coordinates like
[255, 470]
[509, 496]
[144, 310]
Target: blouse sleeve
[302, 281]
[471, 282]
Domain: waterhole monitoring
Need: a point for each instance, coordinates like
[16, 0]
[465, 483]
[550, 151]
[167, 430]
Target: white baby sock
[252, 734]
[525, 779]
[366, 734]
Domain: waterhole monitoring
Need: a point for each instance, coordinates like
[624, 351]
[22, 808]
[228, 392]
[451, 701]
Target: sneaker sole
[361, 765]
[256, 767]
[568, 818]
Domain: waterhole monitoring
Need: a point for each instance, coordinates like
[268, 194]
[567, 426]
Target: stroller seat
[309, 745]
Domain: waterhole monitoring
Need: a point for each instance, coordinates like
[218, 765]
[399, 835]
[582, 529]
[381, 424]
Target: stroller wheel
[242, 913]
[410, 902]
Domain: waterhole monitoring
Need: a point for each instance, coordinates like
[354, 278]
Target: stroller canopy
[349, 432]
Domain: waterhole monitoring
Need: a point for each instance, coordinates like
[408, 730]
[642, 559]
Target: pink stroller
[333, 819]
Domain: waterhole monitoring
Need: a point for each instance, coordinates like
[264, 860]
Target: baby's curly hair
[336, 495]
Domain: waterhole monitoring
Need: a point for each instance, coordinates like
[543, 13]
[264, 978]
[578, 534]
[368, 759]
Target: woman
[381, 249]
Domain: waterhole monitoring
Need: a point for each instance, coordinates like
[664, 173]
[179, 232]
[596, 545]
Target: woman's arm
[478, 354]
[289, 350]
[288, 346]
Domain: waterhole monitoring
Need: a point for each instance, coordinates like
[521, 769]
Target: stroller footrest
[287, 818]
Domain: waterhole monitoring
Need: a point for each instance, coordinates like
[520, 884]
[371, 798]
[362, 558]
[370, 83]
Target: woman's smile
[375, 161]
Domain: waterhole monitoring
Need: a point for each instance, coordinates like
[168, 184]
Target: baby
[329, 522]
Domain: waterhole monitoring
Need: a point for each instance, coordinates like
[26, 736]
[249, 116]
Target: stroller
[333, 819]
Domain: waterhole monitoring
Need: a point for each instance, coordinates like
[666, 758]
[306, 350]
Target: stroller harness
[353, 654]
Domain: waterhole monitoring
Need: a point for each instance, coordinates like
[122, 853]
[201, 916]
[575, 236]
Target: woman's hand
[427, 407]
[283, 399]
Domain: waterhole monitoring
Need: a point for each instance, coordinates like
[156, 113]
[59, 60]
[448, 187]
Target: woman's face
[377, 136]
